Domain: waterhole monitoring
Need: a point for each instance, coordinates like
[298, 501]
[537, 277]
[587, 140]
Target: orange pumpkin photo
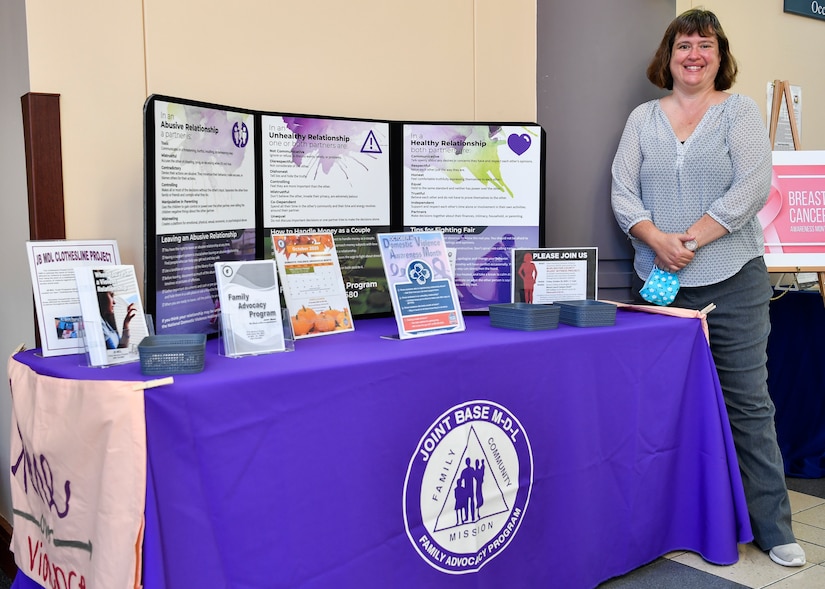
[301, 326]
[324, 322]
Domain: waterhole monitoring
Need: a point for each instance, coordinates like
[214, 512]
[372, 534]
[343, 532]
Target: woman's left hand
[671, 253]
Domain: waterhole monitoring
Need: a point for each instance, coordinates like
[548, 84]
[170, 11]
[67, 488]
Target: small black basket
[172, 354]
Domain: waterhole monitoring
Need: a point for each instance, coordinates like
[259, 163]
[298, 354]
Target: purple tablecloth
[299, 469]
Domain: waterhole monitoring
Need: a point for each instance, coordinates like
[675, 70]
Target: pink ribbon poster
[793, 219]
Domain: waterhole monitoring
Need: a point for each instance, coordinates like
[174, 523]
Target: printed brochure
[250, 307]
[313, 285]
[52, 265]
[113, 319]
[424, 297]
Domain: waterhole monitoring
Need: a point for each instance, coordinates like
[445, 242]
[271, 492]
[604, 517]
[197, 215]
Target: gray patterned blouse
[723, 169]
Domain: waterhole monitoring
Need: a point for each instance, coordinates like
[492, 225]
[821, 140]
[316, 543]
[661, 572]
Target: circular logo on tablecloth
[467, 486]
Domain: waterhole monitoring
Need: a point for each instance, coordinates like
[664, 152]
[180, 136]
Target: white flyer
[424, 297]
[52, 265]
[250, 307]
[313, 285]
[113, 319]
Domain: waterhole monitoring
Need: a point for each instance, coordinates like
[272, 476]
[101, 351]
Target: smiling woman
[710, 32]
[691, 173]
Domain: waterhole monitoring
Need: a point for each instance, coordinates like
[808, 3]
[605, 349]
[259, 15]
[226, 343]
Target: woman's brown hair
[705, 23]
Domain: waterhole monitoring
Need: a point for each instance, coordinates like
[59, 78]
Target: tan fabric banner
[78, 480]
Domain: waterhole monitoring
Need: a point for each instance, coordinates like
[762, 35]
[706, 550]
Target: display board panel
[201, 176]
[332, 175]
[221, 180]
[481, 184]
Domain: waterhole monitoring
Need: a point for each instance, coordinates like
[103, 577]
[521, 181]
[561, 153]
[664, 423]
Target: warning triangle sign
[371, 144]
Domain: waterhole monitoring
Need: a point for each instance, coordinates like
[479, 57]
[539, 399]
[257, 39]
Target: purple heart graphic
[519, 143]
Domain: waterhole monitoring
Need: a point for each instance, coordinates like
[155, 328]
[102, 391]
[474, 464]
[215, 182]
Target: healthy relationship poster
[481, 186]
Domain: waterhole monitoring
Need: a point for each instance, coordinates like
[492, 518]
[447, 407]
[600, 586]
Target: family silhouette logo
[467, 486]
[240, 134]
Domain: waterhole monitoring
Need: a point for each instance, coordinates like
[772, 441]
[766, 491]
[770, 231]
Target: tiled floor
[755, 570]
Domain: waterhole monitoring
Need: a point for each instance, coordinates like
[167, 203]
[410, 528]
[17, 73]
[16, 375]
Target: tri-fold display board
[220, 181]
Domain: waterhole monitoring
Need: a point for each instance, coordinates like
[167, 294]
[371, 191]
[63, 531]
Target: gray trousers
[739, 328]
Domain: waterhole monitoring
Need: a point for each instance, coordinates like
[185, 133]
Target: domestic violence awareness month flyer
[205, 208]
[424, 298]
[480, 185]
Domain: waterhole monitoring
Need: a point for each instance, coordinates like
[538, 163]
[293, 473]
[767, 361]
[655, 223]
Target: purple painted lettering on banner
[39, 471]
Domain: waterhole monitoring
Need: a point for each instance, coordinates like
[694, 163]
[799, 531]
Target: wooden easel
[782, 89]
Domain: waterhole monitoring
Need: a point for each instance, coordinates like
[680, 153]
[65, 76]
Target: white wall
[16, 310]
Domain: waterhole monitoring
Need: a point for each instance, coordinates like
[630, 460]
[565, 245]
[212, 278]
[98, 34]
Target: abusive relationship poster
[481, 186]
[204, 165]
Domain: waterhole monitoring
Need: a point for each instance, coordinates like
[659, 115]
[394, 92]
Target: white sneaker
[788, 555]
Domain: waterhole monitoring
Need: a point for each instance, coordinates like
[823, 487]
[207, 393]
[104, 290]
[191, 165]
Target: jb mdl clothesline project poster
[57, 303]
[220, 181]
[793, 219]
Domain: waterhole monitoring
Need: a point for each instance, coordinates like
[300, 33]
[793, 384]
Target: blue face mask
[660, 287]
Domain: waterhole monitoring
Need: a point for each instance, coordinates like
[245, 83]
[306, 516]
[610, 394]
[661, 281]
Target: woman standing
[691, 173]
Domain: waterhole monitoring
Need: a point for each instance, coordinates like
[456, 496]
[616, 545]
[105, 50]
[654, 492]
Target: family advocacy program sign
[793, 219]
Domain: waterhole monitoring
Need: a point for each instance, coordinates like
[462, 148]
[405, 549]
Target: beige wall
[772, 45]
[91, 53]
[454, 60]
